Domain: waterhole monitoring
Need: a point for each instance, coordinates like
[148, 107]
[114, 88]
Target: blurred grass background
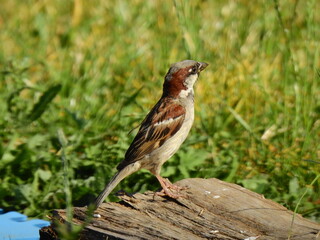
[77, 76]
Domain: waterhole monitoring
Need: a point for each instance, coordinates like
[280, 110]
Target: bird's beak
[202, 66]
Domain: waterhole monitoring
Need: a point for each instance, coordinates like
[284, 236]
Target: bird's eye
[193, 70]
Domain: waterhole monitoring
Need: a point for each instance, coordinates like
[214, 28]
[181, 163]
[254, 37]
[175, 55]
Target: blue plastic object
[16, 226]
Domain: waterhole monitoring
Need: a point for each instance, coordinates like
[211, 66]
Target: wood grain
[211, 209]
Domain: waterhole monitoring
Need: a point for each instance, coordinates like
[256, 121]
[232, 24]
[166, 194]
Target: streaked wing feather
[156, 128]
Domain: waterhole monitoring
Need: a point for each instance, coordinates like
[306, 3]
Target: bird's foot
[169, 193]
[172, 186]
[169, 189]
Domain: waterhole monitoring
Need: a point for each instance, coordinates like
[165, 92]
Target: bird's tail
[115, 180]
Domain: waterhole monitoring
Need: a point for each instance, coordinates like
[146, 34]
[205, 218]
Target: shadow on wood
[212, 209]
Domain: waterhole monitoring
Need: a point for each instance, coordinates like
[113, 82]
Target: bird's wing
[163, 121]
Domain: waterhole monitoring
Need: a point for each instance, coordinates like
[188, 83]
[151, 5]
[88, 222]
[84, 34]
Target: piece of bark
[211, 209]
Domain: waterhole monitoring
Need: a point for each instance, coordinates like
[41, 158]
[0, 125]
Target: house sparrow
[163, 130]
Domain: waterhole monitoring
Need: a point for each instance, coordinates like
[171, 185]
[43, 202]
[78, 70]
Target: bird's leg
[167, 186]
[172, 186]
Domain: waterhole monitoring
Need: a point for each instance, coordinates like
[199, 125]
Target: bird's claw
[169, 189]
[172, 186]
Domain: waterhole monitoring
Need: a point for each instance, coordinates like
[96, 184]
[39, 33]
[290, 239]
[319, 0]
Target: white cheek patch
[189, 82]
[185, 93]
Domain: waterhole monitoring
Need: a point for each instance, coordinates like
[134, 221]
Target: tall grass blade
[40, 107]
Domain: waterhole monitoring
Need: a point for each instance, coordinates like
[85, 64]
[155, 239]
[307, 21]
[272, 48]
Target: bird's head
[181, 77]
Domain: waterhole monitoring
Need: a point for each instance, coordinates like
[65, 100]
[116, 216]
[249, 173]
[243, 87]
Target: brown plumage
[152, 136]
[163, 130]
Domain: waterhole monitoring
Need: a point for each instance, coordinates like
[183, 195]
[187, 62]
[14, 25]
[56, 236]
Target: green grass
[77, 76]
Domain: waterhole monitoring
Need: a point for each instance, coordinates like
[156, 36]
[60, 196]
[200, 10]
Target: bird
[163, 130]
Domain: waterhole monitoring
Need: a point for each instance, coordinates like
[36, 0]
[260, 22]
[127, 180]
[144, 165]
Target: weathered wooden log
[211, 209]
